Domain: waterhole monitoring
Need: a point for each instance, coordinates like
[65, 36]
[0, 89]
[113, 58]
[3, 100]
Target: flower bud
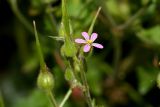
[69, 76]
[68, 49]
[45, 80]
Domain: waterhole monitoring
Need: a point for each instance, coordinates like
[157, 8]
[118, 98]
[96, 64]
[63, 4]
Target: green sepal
[69, 76]
[68, 49]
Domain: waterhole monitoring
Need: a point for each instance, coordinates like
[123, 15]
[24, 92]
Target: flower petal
[85, 35]
[86, 48]
[80, 41]
[94, 36]
[97, 45]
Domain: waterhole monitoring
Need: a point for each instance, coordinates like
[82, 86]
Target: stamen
[89, 41]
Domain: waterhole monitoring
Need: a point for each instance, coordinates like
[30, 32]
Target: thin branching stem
[132, 19]
[52, 19]
[117, 40]
[117, 54]
[107, 14]
[52, 99]
[19, 15]
[65, 98]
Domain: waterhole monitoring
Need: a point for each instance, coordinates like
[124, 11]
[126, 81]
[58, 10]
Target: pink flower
[88, 41]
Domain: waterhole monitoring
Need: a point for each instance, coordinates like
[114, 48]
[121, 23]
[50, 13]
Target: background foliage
[123, 74]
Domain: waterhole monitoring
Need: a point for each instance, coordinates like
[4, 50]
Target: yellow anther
[89, 41]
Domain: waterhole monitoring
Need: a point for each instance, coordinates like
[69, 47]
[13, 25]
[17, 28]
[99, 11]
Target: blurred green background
[123, 74]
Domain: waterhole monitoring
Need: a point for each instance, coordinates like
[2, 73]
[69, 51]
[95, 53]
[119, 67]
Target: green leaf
[94, 83]
[36, 98]
[147, 78]
[30, 64]
[74, 6]
[150, 36]
[57, 38]
[96, 70]
[112, 7]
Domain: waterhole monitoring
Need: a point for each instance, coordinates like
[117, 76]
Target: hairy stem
[85, 83]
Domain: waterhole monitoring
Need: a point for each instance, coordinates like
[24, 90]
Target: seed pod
[45, 80]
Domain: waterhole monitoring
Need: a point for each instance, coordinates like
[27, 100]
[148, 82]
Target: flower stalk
[65, 98]
[88, 47]
[70, 55]
[52, 99]
[85, 83]
[45, 79]
[19, 15]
